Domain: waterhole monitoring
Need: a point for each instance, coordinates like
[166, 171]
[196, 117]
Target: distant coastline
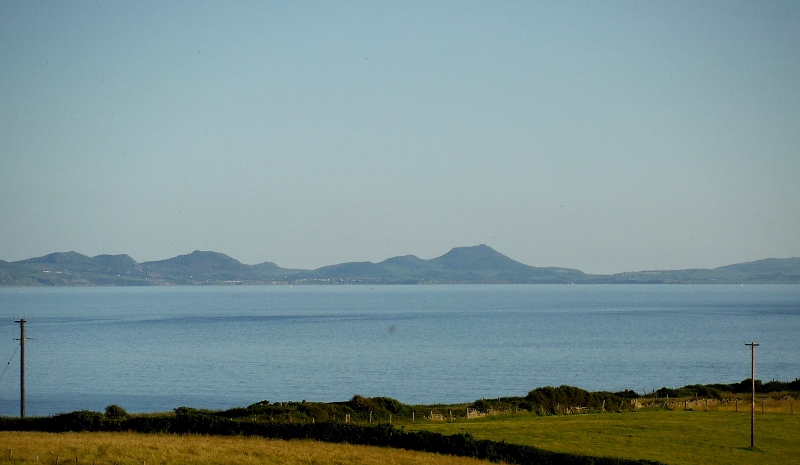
[462, 265]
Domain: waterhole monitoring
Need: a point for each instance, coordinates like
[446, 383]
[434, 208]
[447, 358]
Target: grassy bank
[185, 422]
[675, 437]
[672, 437]
[147, 449]
[693, 424]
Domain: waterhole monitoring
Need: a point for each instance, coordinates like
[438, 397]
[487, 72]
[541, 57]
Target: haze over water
[154, 349]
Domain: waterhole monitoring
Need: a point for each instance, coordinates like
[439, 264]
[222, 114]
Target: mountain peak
[59, 258]
[200, 259]
[478, 257]
[403, 260]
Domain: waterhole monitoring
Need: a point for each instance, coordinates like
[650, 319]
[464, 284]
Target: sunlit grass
[717, 436]
[147, 449]
[673, 437]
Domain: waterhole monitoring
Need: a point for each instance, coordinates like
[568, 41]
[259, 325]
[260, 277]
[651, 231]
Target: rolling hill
[474, 265]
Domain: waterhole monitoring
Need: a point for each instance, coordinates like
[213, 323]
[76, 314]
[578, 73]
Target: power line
[9, 362]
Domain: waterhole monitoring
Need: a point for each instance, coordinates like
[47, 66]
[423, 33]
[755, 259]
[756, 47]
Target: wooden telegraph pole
[22, 338]
[753, 346]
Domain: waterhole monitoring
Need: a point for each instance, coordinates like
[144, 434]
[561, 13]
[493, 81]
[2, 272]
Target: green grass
[717, 436]
[672, 437]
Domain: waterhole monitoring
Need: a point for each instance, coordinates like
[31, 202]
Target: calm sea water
[154, 349]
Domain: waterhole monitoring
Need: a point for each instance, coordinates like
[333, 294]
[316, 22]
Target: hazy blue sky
[604, 136]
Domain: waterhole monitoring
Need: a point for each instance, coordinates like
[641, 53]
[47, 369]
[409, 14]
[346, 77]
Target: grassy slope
[673, 437]
[131, 448]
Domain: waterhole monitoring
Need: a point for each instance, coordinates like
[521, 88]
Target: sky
[603, 136]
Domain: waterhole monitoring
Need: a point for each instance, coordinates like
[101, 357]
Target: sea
[153, 349]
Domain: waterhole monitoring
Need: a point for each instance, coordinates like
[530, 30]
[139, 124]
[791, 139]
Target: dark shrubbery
[716, 391]
[378, 405]
[627, 394]
[289, 411]
[566, 399]
[359, 408]
[555, 400]
[115, 412]
[779, 386]
[692, 390]
[82, 420]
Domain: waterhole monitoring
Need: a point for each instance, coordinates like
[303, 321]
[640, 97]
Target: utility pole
[21, 339]
[753, 346]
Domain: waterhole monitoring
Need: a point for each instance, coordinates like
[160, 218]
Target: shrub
[552, 399]
[81, 420]
[627, 394]
[115, 412]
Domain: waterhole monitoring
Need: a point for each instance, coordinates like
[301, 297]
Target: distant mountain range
[468, 265]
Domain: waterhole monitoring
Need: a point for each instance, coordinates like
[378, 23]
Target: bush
[115, 412]
[555, 399]
[81, 420]
[361, 404]
[627, 394]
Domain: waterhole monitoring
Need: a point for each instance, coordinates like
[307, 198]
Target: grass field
[677, 437]
[145, 449]
[673, 437]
